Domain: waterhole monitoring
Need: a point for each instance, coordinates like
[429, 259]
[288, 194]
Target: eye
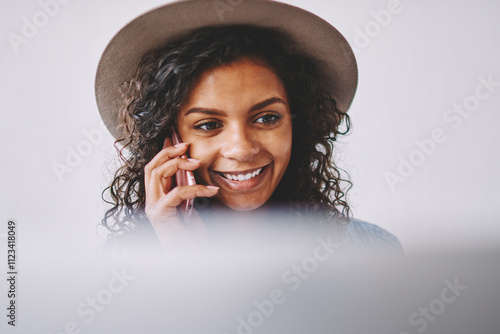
[268, 119]
[208, 126]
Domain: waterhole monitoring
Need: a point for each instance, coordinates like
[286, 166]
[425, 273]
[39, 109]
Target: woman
[255, 111]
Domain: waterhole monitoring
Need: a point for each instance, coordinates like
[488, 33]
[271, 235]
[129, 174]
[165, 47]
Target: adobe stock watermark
[453, 117]
[293, 278]
[74, 155]
[421, 318]
[88, 309]
[381, 19]
[31, 25]
[222, 7]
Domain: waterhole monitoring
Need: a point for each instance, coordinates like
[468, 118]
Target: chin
[242, 205]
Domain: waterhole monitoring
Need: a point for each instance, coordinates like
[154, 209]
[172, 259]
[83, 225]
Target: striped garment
[365, 237]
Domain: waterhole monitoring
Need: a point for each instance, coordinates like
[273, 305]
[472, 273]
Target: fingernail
[194, 160]
[213, 187]
[180, 145]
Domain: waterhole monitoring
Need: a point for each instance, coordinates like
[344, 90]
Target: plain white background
[413, 68]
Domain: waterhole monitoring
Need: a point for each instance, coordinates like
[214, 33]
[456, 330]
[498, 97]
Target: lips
[241, 176]
[238, 181]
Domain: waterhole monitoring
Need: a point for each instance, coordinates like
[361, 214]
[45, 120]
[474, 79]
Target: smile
[241, 176]
[241, 181]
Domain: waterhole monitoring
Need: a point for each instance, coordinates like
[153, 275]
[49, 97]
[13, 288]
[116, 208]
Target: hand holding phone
[169, 197]
[184, 178]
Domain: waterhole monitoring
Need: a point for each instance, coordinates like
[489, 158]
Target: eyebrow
[216, 112]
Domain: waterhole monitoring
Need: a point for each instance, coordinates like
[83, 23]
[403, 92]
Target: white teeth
[241, 177]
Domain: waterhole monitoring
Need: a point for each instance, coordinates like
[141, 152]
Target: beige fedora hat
[335, 58]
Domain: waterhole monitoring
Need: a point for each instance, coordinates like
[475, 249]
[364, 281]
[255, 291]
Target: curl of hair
[312, 183]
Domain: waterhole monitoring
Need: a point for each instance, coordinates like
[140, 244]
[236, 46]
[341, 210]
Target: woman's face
[237, 121]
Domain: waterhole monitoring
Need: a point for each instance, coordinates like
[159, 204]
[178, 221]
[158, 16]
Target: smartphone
[183, 178]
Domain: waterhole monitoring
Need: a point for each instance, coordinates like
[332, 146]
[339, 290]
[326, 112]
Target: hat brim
[334, 57]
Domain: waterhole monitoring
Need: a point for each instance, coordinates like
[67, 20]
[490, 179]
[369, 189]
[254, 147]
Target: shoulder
[363, 236]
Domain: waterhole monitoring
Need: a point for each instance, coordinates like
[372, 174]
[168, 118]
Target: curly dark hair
[162, 83]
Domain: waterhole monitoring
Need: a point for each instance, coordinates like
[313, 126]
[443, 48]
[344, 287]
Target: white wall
[428, 57]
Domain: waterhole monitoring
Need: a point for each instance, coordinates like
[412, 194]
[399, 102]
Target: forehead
[243, 81]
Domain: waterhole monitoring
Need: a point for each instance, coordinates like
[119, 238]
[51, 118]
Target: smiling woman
[238, 123]
[258, 109]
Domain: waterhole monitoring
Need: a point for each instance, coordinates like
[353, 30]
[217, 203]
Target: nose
[239, 143]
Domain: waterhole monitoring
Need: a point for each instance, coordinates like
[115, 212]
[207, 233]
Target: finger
[163, 156]
[171, 167]
[179, 194]
[161, 177]
[167, 153]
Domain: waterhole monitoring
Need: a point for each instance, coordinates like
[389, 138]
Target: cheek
[205, 151]
[282, 147]
[284, 152]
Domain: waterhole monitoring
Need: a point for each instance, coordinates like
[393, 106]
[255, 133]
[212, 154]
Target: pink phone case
[184, 178]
